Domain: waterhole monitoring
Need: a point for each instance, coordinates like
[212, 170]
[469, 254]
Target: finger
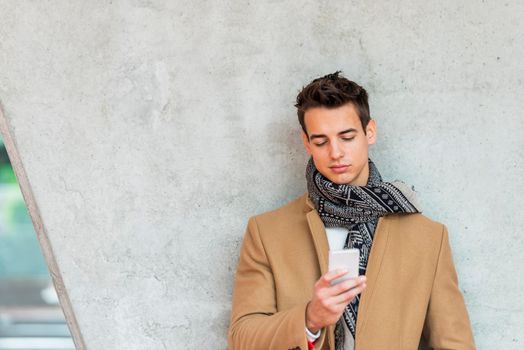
[344, 286]
[326, 279]
[346, 297]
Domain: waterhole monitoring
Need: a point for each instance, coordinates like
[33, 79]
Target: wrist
[311, 324]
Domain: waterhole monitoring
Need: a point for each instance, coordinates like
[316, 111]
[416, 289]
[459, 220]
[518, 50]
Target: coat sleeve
[447, 324]
[255, 321]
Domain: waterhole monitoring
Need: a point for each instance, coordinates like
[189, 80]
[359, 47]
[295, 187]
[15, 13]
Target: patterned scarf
[357, 208]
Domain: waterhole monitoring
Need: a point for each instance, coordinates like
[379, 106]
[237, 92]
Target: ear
[371, 132]
[305, 141]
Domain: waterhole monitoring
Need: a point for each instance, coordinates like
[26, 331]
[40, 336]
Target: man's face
[338, 144]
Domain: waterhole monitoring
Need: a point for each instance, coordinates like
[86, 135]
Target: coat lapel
[380, 242]
[318, 233]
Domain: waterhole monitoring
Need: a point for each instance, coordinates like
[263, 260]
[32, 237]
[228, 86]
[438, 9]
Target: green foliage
[7, 175]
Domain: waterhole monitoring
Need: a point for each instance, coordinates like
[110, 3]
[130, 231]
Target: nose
[335, 151]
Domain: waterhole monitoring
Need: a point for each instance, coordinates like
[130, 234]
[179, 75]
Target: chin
[342, 179]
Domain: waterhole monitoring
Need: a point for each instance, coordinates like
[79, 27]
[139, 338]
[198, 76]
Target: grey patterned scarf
[357, 208]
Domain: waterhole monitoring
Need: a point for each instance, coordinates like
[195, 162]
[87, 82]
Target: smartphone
[344, 259]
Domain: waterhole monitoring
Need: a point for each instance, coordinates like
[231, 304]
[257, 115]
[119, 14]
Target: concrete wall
[149, 132]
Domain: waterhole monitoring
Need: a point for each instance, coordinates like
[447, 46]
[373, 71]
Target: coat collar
[378, 248]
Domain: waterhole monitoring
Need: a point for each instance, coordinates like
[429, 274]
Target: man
[407, 293]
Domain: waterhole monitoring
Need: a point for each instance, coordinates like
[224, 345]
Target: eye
[320, 144]
[348, 138]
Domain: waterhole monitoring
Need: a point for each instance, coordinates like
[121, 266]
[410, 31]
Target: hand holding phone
[329, 301]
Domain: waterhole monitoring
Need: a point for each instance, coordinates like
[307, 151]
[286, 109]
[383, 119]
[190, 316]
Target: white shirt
[336, 237]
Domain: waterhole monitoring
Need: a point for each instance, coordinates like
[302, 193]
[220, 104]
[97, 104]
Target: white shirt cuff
[312, 336]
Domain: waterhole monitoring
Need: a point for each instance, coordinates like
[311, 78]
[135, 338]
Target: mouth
[339, 168]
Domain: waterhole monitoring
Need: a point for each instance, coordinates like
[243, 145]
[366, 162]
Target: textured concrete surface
[151, 130]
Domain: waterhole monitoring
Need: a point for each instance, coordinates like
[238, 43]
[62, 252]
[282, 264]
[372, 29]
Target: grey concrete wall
[151, 130]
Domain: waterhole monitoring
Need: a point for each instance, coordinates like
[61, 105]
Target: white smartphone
[344, 259]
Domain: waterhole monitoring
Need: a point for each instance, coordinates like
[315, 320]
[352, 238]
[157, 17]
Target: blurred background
[30, 316]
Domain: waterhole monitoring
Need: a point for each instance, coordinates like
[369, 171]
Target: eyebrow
[317, 136]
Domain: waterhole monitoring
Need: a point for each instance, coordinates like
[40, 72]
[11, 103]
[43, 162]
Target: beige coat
[412, 286]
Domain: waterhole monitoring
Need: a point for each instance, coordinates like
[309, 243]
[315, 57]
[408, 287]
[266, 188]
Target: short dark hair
[331, 91]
